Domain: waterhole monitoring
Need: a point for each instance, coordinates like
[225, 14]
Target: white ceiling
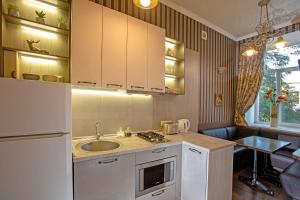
[236, 18]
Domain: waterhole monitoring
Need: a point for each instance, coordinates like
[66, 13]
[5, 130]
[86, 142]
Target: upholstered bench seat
[290, 180]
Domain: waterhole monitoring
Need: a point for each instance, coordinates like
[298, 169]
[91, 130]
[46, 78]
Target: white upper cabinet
[194, 173]
[156, 59]
[137, 47]
[114, 49]
[86, 43]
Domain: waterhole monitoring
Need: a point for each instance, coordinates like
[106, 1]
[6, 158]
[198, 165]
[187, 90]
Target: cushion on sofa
[280, 162]
[270, 133]
[243, 131]
[231, 132]
[294, 140]
[218, 133]
[290, 180]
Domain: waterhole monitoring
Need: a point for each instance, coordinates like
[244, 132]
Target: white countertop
[135, 144]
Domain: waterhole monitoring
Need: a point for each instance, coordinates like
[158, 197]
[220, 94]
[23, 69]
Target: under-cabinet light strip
[106, 92]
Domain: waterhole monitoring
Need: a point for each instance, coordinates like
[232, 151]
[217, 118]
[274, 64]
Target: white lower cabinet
[110, 178]
[194, 173]
[167, 193]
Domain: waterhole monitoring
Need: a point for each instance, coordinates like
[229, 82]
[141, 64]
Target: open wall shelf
[33, 24]
[174, 67]
[32, 49]
[46, 56]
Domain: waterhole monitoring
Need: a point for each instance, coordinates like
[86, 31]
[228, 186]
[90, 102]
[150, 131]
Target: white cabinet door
[137, 54]
[156, 59]
[114, 49]
[167, 193]
[36, 168]
[86, 43]
[194, 173]
[110, 178]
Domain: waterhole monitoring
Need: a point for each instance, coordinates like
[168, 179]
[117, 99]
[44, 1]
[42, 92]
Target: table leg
[253, 182]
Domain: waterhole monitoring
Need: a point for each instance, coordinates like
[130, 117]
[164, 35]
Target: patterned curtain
[250, 75]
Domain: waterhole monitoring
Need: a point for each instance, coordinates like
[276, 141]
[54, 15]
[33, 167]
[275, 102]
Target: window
[281, 71]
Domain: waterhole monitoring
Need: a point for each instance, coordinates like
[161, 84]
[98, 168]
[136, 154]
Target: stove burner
[152, 137]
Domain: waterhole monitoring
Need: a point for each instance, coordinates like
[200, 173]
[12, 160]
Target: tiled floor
[242, 192]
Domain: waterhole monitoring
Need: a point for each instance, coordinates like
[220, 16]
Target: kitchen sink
[100, 145]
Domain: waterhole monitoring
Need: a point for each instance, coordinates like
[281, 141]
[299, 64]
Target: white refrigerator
[35, 140]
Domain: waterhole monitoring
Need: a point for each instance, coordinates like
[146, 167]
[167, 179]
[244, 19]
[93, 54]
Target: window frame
[255, 109]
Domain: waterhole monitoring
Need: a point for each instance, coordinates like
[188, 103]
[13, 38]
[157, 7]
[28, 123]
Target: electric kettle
[184, 125]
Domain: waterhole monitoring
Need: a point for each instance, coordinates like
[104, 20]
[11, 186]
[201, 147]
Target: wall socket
[204, 35]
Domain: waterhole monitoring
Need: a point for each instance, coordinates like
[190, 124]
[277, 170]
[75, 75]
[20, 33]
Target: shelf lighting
[38, 60]
[169, 62]
[170, 76]
[170, 45]
[39, 32]
[119, 93]
[42, 5]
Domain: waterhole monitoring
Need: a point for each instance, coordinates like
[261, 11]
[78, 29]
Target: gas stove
[152, 137]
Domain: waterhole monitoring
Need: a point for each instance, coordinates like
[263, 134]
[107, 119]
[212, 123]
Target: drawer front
[157, 154]
[167, 193]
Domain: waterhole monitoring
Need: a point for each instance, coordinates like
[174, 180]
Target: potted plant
[13, 9]
[62, 23]
[41, 15]
[274, 100]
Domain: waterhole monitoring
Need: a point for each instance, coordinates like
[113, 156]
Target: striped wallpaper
[217, 51]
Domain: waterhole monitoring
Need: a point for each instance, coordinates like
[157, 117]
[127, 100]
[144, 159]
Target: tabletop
[262, 144]
[296, 154]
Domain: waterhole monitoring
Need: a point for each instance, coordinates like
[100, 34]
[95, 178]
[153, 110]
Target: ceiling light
[280, 43]
[250, 52]
[146, 4]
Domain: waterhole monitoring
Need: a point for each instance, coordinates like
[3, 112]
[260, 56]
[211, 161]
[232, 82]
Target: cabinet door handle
[114, 85]
[157, 89]
[108, 161]
[159, 150]
[158, 193]
[137, 87]
[195, 150]
[87, 82]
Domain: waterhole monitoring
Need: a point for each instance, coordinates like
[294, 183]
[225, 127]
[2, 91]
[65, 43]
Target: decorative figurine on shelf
[35, 49]
[62, 23]
[13, 9]
[170, 52]
[41, 15]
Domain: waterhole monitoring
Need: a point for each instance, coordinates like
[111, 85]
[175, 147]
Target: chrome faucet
[98, 134]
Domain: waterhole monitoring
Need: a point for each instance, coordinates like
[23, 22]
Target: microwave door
[154, 176]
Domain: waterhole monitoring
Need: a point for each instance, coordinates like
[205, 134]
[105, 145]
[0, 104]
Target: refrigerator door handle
[32, 137]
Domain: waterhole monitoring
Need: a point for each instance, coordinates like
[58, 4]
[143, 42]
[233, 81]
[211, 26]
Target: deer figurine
[35, 49]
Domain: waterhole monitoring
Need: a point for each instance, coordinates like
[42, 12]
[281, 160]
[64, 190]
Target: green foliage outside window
[275, 58]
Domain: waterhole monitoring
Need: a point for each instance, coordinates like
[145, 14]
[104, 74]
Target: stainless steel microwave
[155, 175]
